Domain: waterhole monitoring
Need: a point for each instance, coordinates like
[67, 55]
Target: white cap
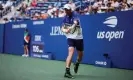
[67, 6]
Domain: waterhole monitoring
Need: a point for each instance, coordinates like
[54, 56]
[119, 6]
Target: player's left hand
[67, 30]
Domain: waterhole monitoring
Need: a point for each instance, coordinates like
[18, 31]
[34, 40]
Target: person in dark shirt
[26, 43]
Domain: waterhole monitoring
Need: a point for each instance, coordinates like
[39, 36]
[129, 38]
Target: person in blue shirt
[71, 28]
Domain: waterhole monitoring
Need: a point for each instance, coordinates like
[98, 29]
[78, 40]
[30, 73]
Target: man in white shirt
[50, 11]
[71, 28]
[61, 13]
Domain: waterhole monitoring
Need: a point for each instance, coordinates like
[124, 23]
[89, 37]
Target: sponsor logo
[38, 22]
[56, 31]
[41, 56]
[37, 55]
[37, 48]
[109, 35]
[101, 62]
[15, 26]
[111, 21]
[38, 38]
[45, 56]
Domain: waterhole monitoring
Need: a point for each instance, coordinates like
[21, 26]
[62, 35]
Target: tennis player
[71, 28]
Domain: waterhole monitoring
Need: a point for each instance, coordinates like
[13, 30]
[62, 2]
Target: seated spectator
[8, 3]
[23, 9]
[97, 4]
[61, 13]
[115, 4]
[88, 10]
[6, 20]
[20, 18]
[27, 11]
[131, 5]
[26, 17]
[110, 8]
[77, 11]
[36, 16]
[1, 7]
[105, 2]
[12, 19]
[17, 13]
[34, 3]
[43, 15]
[55, 12]
[50, 11]
[102, 9]
[124, 7]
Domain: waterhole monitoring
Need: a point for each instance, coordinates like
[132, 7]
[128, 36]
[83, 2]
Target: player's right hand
[67, 30]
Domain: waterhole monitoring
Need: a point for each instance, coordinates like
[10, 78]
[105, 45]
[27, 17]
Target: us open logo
[109, 35]
[101, 63]
[111, 21]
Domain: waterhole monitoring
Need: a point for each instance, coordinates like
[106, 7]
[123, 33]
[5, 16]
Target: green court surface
[20, 68]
